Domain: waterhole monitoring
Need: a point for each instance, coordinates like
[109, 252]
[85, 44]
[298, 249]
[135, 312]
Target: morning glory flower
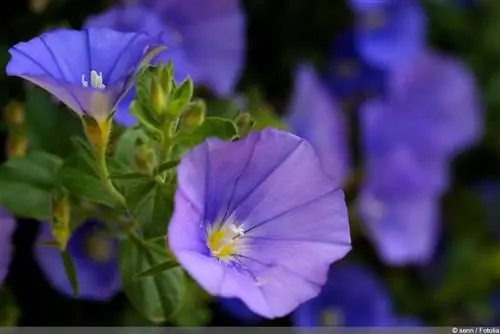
[258, 219]
[348, 74]
[353, 296]
[212, 35]
[403, 226]
[137, 18]
[94, 255]
[439, 94]
[315, 116]
[7, 228]
[88, 70]
[403, 181]
[389, 32]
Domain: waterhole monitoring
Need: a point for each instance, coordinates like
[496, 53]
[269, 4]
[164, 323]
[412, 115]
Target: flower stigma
[224, 240]
[96, 80]
[99, 247]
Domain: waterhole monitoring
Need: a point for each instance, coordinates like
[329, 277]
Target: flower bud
[193, 116]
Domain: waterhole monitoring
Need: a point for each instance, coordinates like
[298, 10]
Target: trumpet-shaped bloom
[314, 115]
[353, 296]
[403, 226]
[94, 255]
[389, 32]
[212, 35]
[137, 18]
[439, 94]
[258, 219]
[348, 74]
[399, 202]
[7, 228]
[88, 70]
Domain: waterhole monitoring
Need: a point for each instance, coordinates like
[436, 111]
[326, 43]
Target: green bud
[244, 123]
[157, 96]
[60, 219]
[181, 96]
[193, 116]
[144, 158]
[165, 74]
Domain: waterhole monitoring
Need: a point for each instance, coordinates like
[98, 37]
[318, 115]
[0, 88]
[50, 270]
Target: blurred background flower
[399, 99]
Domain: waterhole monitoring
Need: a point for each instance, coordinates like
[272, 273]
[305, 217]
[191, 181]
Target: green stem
[104, 175]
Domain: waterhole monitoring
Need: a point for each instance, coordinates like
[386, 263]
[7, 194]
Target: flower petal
[315, 116]
[273, 184]
[59, 61]
[405, 231]
[389, 35]
[354, 294]
[212, 37]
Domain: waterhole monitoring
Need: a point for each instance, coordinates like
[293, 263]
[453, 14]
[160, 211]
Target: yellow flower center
[99, 247]
[330, 317]
[223, 240]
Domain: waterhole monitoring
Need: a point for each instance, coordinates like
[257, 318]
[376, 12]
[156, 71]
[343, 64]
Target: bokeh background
[456, 282]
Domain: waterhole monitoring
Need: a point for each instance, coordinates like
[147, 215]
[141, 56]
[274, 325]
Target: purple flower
[389, 32]
[7, 228]
[353, 296]
[404, 178]
[94, 255]
[212, 36]
[439, 96]
[258, 219]
[348, 74]
[398, 155]
[403, 226]
[314, 115]
[137, 18]
[88, 70]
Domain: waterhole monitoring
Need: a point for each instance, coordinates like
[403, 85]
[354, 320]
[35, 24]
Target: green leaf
[158, 298]
[180, 97]
[195, 311]
[27, 184]
[49, 127]
[211, 127]
[168, 165]
[157, 269]
[150, 202]
[70, 270]
[80, 177]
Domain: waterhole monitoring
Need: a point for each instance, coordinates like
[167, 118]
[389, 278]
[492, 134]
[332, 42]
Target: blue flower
[389, 32]
[348, 74]
[314, 115]
[353, 296]
[94, 255]
[7, 228]
[212, 35]
[137, 18]
[238, 225]
[89, 70]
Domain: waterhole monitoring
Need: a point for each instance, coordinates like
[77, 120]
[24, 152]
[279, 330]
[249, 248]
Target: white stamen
[85, 83]
[96, 80]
